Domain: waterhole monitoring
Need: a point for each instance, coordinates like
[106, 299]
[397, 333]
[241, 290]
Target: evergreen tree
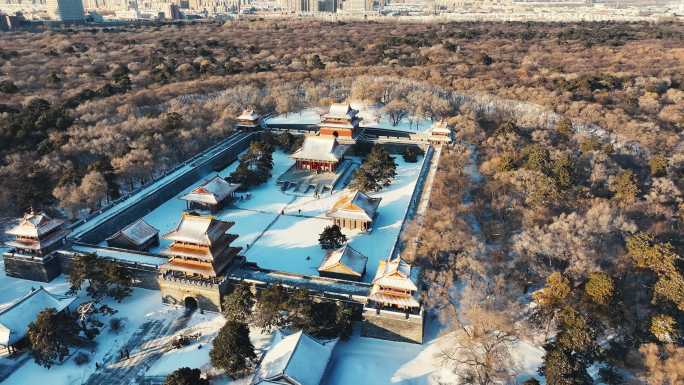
[624, 188]
[663, 327]
[103, 277]
[330, 320]
[186, 376]
[537, 158]
[377, 171]
[51, 335]
[411, 154]
[255, 166]
[658, 165]
[599, 288]
[563, 172]
[661, 259]
[568, 357]
[562, 368]
[564, 128]
[555, 292]
[232, 349]
[237, 306]
[270, 306]
[299, 309]
[332, 237]
[117, 280]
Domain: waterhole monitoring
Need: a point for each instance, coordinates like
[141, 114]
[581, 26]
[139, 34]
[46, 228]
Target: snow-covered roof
[296, 359]
[440, 127]
[248, 114]
[121, 255]
[320, 148]
[341, 111]
[35, 225]
[14, 319]
[346, 256]
[198, 229]
[138, 232]
[395, 273]
[212, 192]
[378, 295]
[356, 205]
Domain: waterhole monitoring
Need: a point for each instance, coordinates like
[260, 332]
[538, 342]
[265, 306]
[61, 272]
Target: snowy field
[371, 117]
[142, 306]
[372, 361]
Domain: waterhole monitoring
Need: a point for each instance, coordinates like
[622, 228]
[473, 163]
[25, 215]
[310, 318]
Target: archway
[190, 304]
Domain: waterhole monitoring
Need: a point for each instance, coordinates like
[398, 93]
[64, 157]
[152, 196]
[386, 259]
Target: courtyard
[279, 229]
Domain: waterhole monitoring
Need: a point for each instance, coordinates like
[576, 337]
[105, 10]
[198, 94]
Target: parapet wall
[393, 326]
[31, 268]
[144, 276]
[177, 291]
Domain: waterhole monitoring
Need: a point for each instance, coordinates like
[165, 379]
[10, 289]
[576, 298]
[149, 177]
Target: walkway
[146, 346]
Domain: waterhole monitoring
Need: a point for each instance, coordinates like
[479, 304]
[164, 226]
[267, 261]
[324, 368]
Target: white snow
[306, 116]
[371, 117]
[140, 307]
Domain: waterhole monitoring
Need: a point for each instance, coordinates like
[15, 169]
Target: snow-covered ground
[196, 354]
[306, 116]
[371, 115]
[143, 305]
[362, 360]
[265, 201]
[291, 244]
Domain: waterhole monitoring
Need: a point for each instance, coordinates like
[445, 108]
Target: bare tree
[480, 350]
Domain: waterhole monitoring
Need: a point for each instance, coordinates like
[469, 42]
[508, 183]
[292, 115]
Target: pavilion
[297, 359]
[139, 236]
[213, 195]
[355, 210]
[319, 154]
[341, 121]
[248, 120]
[199, 257]
[394, 286]
[343, 263]
[32, 251]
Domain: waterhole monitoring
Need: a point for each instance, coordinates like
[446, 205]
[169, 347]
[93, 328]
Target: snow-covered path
[146, 346]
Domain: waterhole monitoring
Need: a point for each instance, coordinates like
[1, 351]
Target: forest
[557, 216]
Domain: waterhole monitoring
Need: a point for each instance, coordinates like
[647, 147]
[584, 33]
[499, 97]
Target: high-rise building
[65, 10]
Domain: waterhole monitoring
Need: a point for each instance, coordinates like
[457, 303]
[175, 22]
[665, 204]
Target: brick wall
[393, 326]
[175, 292]
[34, 269]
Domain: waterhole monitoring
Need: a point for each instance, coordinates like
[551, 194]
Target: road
[146, 346]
